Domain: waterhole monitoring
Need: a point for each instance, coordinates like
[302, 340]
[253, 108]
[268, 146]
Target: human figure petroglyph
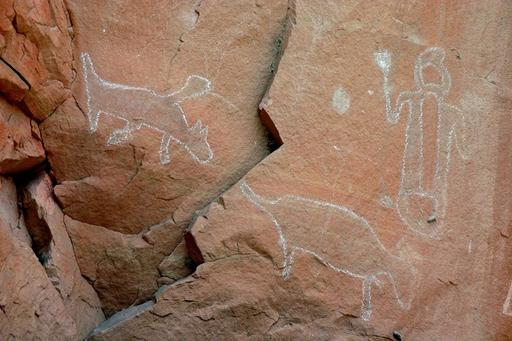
[423, 209]
[354, 248]
[142, 108]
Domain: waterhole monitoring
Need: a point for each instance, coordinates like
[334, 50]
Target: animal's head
[197, 143]
[195, 86]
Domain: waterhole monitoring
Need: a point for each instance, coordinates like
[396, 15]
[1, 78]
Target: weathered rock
[174, 266]
[30, 306]
[37, 48]
[191, 134]
[122, 268]
[20, 140]
[45, 219]
[13, 87]
[386, 210]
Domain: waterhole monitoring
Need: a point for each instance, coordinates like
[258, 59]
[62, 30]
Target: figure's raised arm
[383, 61]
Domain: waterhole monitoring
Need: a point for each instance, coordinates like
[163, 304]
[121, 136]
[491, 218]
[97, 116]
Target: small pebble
[397, 335]
[431, 219]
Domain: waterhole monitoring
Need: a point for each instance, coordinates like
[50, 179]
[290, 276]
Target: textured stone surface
[372, 219]
[11, 84]
[31, 307]
[383, 215]
[42, 213]
[37, 47]
[117, 176]
[122, 268]
[20, 140]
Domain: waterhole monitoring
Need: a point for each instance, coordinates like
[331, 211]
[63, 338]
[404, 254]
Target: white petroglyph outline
[290, 250]
[122, 135]
[447, 127]
[507, 304]
[340, 101]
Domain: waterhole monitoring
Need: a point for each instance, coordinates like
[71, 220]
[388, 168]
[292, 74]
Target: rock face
[294, 169]
[20, 140]
[138, 153]
[45, 298]
[44, 217]
[369, 221]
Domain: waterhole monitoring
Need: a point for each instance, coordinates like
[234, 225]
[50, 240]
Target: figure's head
[432, 57]
[197, 143]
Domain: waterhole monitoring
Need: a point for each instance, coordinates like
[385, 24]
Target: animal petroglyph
[354, 248]
[422, 209]
[142, 108]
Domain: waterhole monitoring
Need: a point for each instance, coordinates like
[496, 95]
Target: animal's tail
[92, 81]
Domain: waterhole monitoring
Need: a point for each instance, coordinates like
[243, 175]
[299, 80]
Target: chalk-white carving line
[142, 108]
[367, 265]
[450, 122]
[507, 309]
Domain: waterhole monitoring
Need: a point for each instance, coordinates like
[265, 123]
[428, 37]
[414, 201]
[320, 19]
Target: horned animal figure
[422, 206]
[142, 108]
[340, 239]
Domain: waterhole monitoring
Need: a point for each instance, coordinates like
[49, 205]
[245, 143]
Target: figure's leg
[288, 262]
[165, 155]
[366, 309]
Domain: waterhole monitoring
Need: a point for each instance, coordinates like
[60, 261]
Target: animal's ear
[204, 132]
[196, 128]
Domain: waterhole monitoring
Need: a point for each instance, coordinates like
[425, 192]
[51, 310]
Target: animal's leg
[366, 310]
[94, 117]
[165, 155]
[121, 135]
[288, 262]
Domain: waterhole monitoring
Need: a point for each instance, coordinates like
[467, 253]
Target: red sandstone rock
[20, 140]
[183, 150]
[11, 84]
[30, 306]
[43, 216]
[174, 266]
[122, 268]
[37, 47]
[372, 220]
[385, 214]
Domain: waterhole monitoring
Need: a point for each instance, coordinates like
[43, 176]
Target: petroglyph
[341, 101]
[507, 306]
[423, 209]
[354, 248]
[142, 108]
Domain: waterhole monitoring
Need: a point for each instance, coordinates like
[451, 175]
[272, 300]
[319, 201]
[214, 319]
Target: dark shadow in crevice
[35, 223]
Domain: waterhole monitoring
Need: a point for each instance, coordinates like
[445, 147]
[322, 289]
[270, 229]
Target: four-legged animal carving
[339, 238]
[141, 108]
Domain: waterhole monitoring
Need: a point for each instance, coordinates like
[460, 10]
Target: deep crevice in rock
[37, 227]
[19, 74]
